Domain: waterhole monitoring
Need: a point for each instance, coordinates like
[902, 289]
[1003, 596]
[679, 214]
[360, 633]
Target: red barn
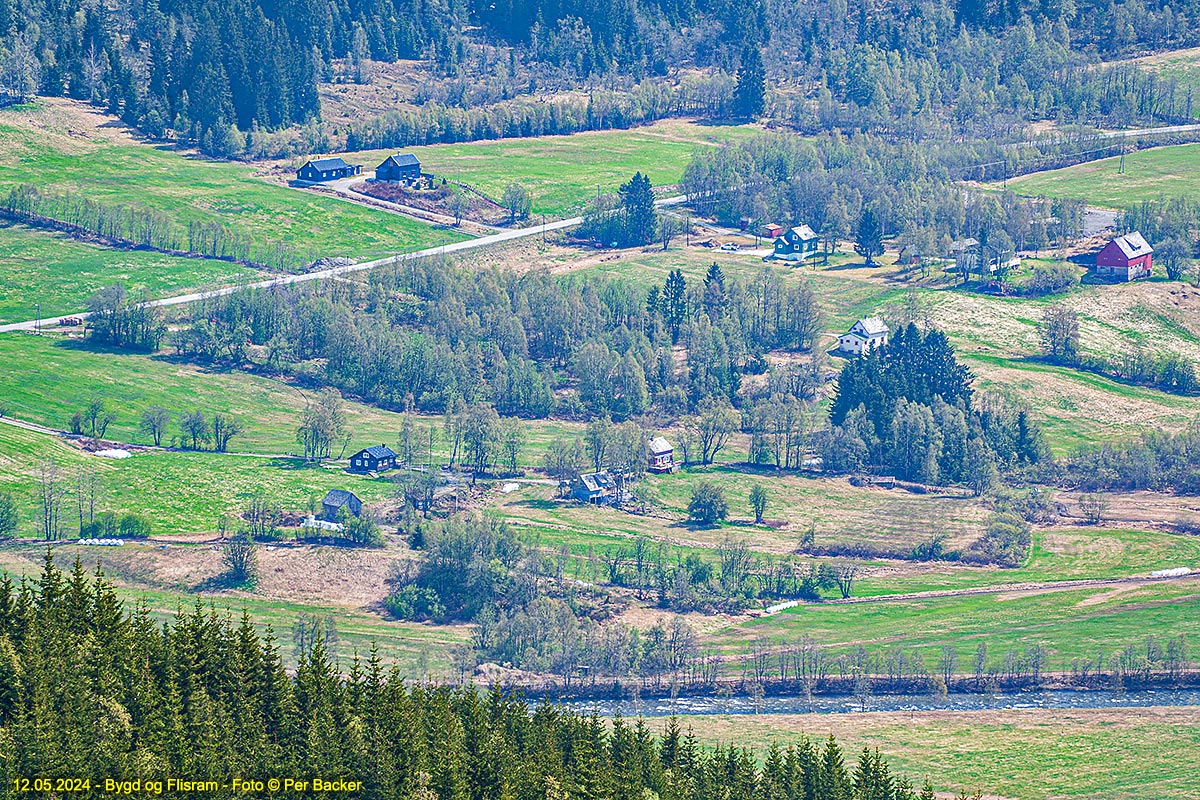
[1125, 258]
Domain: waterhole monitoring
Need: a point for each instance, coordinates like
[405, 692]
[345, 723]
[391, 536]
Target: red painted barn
[1125, 258]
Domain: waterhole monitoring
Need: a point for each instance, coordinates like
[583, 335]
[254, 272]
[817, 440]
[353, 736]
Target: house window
[357, 462]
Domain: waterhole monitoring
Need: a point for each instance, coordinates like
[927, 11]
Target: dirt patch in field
[331, 575]
[67, 125]
[1140, 509]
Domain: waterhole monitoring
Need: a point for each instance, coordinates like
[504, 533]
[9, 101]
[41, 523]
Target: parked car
[730, 247]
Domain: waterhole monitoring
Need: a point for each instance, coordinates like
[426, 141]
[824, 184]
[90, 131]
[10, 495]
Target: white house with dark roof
[867, 334]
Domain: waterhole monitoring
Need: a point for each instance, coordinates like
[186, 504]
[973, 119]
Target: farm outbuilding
[397, 168]
[1125, 258]
[337, 499]
[376, 458]
[326, 169]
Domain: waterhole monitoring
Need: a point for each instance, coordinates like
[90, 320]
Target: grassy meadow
[1020, 754]
[53, 376]
[562, 173]
[60, 274]
[61, 146]
[1172, 171]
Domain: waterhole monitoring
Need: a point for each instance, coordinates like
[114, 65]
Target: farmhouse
[326, 169]
[867, 334]
[1125, 258]
[337, 499]
[797, 244]
[660, 456]
[400, 167]
[373, 459]
[594, 487]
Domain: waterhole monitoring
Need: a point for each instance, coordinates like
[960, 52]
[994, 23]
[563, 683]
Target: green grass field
[50, 377]
[562, 173]
[178, 492]
[41, 148]
[1071, 623]
[1023, 754]
[1159, 172]
[59, 273]
[1180, 66]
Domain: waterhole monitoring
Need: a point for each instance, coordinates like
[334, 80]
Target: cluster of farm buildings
[398, 168]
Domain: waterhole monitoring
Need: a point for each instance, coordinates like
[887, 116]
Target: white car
[730, 247]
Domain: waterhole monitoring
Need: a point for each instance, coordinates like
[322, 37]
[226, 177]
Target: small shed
[326, 169]
[867, 334]
[1125, 258]
[797, 244]
[598, 488]
[660, 456]
[337, 499]
[376, 458]
[773, 230]
[397, 168]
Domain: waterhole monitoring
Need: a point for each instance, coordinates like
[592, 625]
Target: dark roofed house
[797, 244]
[326, 169]
[1125, 258]
[400, 167]
[337, 499]
[377, 458]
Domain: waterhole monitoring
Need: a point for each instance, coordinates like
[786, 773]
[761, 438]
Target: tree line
[203, 697]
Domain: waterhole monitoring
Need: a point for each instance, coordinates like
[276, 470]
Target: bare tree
[224, 428]
[51, 497]
[85, 497]
[845, 575]
[155, 420]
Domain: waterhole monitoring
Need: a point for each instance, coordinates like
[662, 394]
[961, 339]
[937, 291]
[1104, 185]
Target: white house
[867, 334]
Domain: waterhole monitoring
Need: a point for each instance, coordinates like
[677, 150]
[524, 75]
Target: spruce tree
[749, 97]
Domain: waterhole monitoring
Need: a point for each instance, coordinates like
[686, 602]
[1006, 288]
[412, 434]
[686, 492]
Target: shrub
[8, 516]
[415, 603]
[708, 504]
[134, 527]
[1005, 542]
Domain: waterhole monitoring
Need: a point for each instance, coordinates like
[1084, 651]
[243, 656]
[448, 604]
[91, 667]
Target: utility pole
[37, 320]
[543, 228]
[687, 230]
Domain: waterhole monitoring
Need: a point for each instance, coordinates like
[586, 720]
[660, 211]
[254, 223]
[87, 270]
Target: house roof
[325, 164]
[338, 498]
[658, 446]
[871, 326]
[964, 244]
[401, 160]
[1133, 245]
[596, 481]
[804, 232]
[378, 451]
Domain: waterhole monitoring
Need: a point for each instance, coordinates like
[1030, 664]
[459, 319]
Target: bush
[708, 504]
[415, 603]
[1050, 278]
[134, 527]
[1005, 542]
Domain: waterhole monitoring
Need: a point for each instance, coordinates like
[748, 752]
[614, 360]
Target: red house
[1125, 258]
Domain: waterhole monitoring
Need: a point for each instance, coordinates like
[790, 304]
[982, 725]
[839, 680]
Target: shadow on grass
[223, 583]
[540, 505]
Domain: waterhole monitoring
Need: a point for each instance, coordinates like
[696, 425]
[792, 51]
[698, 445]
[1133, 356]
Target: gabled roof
[871, 326]
[1133, 245]
[379, 451]
[803, 232]
[964, 244]
[596, 481]
[659, 446]
[401, 160]
[338, 498]
[327, 164]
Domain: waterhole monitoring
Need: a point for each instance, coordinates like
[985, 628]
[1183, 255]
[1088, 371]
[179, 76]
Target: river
[1046, 698]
